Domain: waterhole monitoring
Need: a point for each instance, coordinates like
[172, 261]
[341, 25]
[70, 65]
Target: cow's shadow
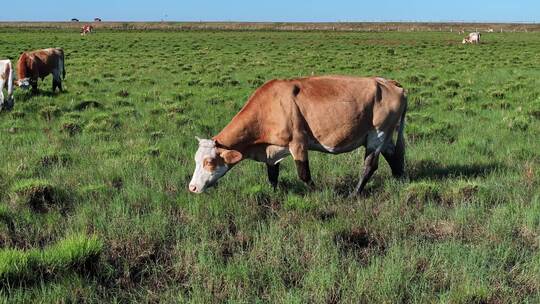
[27, 95]
[7, 106]
[294, 186]
[417, 171]
[429, 169]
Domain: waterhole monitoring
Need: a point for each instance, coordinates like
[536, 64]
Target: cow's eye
[209, 164]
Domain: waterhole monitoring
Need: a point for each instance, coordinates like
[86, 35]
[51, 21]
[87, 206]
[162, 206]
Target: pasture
[94, 206]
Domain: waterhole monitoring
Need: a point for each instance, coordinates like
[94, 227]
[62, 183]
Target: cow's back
[341, 110]
[45, 60]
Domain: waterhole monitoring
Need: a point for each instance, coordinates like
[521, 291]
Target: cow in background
[473, 38]
[86, 29]
[6, 81]
[38, 64]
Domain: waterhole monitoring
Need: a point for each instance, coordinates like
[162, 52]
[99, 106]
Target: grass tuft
[74, 253]
[38, 194]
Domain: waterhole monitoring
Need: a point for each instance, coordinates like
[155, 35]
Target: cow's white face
[211, 163]
[23, 83]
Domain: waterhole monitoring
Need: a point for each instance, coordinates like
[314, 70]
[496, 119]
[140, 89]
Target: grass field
[93, 199]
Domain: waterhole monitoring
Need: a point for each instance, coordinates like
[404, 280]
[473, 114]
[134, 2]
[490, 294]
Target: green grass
[93, 199]
[20, 266]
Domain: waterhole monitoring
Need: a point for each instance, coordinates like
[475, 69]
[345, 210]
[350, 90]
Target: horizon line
[264, 21]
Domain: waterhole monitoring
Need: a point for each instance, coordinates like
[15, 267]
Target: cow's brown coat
[39, 64]
[332, 114]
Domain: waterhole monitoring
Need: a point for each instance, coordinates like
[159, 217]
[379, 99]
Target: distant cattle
[38, 64]
[97, 19]
[330, 114]
[74, 20]
[86, 29]
[6, 81]
[472, 38]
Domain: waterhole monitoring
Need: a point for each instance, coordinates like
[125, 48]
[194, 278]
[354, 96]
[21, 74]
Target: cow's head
[23, 83]
[211, 163]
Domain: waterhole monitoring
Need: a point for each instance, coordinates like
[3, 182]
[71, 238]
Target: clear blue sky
[276, 10]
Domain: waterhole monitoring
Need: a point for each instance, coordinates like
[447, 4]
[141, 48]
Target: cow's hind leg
[34, 84]
[371, 163]
[57, 81]
[376, 142]
[395, 157]
[273, 174]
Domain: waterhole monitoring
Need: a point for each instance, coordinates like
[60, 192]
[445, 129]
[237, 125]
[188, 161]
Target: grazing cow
[86, 29]
[39, 64]
[330, 114]
[74, 20]
[97, 19]
[472, 38]
[6, 80]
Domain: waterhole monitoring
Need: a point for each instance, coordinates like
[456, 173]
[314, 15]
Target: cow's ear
[230, 157]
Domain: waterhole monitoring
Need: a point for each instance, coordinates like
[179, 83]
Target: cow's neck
[21, 67]
[241, 133]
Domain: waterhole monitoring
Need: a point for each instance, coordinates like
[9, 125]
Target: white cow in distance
[6, 80]
[472, 38]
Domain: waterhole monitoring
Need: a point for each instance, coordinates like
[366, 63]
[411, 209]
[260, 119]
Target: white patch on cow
[328, 148]
[6, 81]
[275, 154]
[202, 178]
[346, 147]
[24, 83]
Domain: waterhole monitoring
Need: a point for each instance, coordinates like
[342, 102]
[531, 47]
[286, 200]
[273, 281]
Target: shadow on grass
[26, 95]
[294, 186]
[429, 169]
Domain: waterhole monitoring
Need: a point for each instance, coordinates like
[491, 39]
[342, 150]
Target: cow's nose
[192, 188]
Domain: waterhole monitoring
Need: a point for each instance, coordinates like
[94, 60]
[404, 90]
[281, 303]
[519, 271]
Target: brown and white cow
[472, 38]
[6, 81]
[86, 29]
[39, 64]
[330, 114]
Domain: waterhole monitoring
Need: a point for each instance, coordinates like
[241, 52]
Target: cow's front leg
[300, 155]
[273, 174]
[2, 96]
[34, 85]
[302, 167]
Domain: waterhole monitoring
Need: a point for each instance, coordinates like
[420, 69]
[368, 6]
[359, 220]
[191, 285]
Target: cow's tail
[63, 66]
[401, 137]
[399, 152]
